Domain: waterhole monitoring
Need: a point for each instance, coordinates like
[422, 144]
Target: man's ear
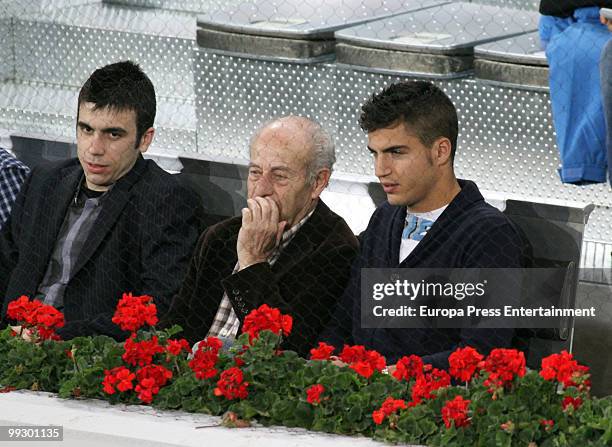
[443, 151]
[146, 139]
[320, 182]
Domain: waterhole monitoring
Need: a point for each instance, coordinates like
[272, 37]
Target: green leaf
[355, 414]
[303, 415]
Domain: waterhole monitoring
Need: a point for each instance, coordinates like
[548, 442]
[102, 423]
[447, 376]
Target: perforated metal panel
[6, 53]
[506, 141]
[35, 110]
[66, 45]
[236, 95]
[520, 4]
[205, 5]
[9, 8]
[57, 49]
[49, 111]
[196, 6]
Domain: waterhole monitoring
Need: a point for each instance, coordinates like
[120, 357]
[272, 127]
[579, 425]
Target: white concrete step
[97, 423]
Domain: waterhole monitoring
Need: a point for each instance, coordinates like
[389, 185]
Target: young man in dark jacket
[430, 220]
[85, 230]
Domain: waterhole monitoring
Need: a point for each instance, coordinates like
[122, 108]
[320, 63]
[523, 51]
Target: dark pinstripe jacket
[141, 242]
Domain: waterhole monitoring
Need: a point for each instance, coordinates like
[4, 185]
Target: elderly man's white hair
[323, 148]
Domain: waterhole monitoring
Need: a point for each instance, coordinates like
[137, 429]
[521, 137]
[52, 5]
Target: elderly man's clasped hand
[260, 233]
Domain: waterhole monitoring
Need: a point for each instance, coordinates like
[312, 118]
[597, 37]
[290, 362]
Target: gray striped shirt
[78, 224]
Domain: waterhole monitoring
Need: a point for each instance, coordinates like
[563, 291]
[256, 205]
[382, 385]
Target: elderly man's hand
[260, 232]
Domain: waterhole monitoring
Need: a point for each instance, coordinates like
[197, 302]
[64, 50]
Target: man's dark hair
[122, 86]
[420, 105]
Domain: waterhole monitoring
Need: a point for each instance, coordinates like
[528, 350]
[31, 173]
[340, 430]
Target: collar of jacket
[466, 199]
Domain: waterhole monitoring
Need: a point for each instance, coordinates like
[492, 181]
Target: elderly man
[288, 250]
[85, 230]
[431, 219]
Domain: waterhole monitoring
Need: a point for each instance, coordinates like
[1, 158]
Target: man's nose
[264, 187]
[382, 165]
[96, 144]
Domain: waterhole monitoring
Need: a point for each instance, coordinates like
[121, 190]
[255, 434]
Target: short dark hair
[420, 105]
[122, 86]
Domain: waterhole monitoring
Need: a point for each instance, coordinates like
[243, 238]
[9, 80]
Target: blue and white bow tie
[416, 227]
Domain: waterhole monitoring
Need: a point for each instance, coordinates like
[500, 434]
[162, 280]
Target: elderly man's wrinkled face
[278, 170]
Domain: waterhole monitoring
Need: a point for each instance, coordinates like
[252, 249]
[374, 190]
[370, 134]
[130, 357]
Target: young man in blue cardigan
[431, 219]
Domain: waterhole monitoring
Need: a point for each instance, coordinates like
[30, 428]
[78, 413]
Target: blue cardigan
[469, 234]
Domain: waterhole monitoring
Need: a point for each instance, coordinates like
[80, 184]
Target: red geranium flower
[140, 353]
[352, 354]
[231, 385]
[322, 352]
[568, 401]
[119, 378]
[463, 363]
[408, 368]
[49, 316]
[266, 317]
[362, 361]
[158, 373]
[40, 318]
[388, 407]
[133, 312]
[503, 365]
[124, 377]
[150, 379]
[313, 394]
[427, 383]
[175, 347]
[146, 389]
[456, 411]
[563, 368]
[205, 358]
[238, 361]
[362, 368]
[22, 309]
